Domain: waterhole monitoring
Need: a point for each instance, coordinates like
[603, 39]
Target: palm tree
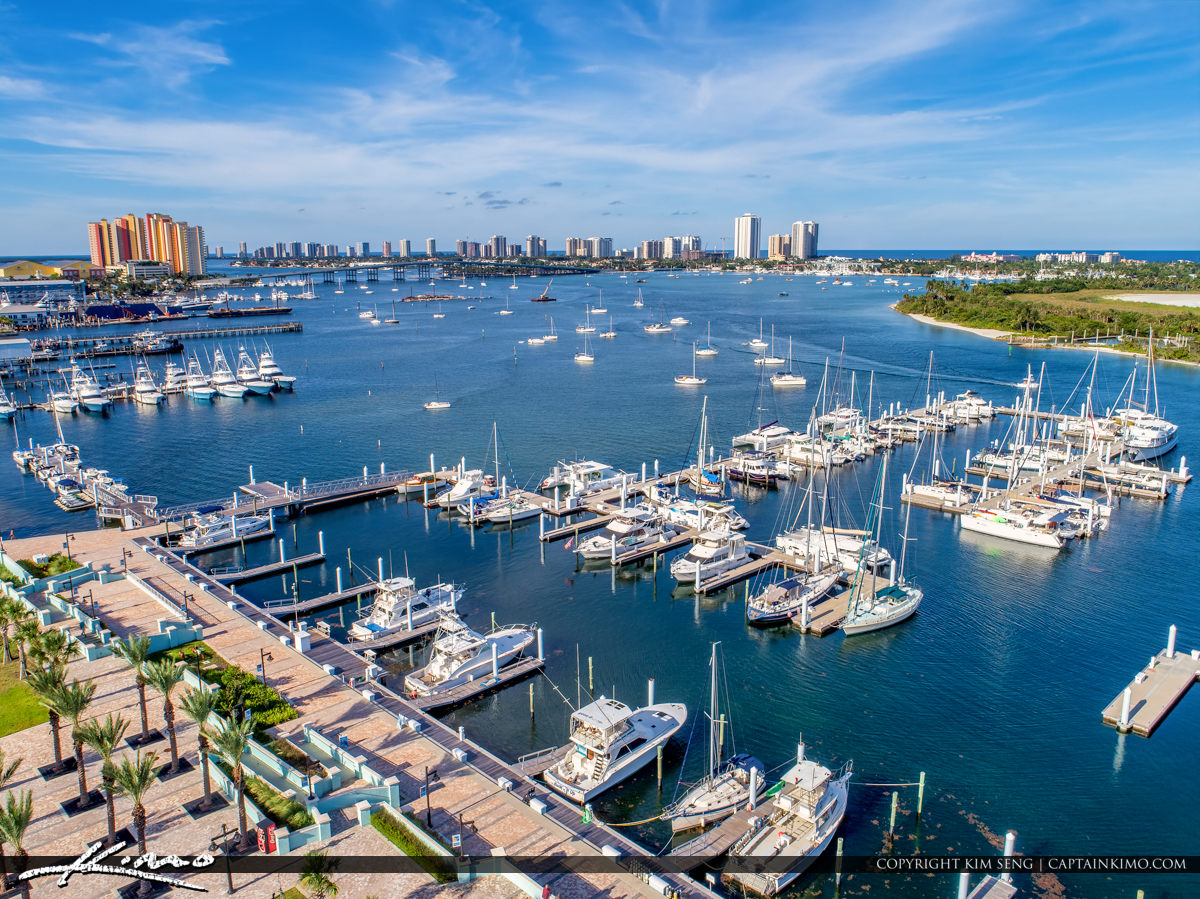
[14, 821]
[8, 617]
[72, 703]
[27, 633]
[199, 706]
[104, 737]
[133, 778]
[164, 676]
[232, 743]
[316, 875]
[46, 683]
[53, 649]
[136, 652]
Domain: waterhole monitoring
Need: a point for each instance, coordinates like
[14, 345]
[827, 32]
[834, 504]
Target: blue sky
[911, 124]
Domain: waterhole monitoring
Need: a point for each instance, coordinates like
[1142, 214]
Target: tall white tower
[746, 236]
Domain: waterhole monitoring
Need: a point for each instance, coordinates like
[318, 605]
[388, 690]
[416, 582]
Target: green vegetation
[1059, 307]
[443, 869]
[9, 578]
[56, 564]
[19, 705]
[297, 758]
[238, 690]
[280, 809]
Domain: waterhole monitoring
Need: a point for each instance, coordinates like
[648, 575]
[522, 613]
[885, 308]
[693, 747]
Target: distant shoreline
[993, 334]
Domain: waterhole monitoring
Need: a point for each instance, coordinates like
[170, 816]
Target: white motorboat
[63, 403]
[535, 341]
[714, 552]
[657, 328]
[459, 654]
[87, 392]
[248, 376]
[506, 509]
[196, 384]
[727, 783]
[400, 606]
[680, 321]
[1040, 530]
[708, 350]
[269, 370]
[7, 409]
[367, 315]
[224, 381]
[694, 513]
[473, 485]
[145, 391]
[691, 380]
[609, 742]
[174, 379]
[209, 529]
[787, 377]
[629, 530]
[805, 814]
[584, 477]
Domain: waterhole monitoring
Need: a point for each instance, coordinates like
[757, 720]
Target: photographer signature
[89, 862]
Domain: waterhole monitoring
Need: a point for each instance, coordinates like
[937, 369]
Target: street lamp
[263, 655]
[430, 777]
[212, 845]
[125, 556]
[67, 538]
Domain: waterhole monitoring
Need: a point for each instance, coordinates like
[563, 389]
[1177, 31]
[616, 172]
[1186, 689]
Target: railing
[324, 488]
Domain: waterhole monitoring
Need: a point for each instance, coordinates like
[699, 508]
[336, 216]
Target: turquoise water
[994, 690]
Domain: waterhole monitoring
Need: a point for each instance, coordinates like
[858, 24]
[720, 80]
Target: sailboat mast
[712, 721]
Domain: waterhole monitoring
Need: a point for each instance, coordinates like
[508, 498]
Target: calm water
[995, 689]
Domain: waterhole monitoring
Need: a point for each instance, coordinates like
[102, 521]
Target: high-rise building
[331, 250]
[576, 246]
[404, 248]
[672, 248]
[498, 246]
[430, 247]
[312, 250]
[746, 239]
[362, 248]
[779, 246]
[242, 249]
[652, 249]
[600, 247]
[219, 252]
[295, 249]
[535, 246]
[387, 249]
[804, 240]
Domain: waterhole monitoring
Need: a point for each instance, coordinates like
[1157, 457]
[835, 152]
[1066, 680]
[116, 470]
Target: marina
[517, 577]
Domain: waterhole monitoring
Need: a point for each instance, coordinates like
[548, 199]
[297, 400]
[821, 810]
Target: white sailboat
[770, 358]
[788, 378]
[639, 303]
[708, 350]
[437, 402]
[757, 342]
[873, 608]
[506, 310]
[600, 306]
[552, 336]
[727, 783]
[702, 480]
[691, 380]
[587, 327]
[513, 286]
[585, 357]
[610, 333]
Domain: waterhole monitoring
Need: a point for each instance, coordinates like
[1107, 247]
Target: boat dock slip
[717, 841]
[826, 615]
[646, 552]
[289, 608]
[249, 574]
[468, 691]
[762, 558]
[579, 527]
[221, 544]
[1156, 689]
[396, 638]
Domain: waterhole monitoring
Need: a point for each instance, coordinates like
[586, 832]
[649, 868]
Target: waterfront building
[779, 246]
[362, 248]
[576, 246]
[242, 249]
[350, 253]
[281, 249]
[498, 246]
[651, 249]
[25, 269]
[219, 252]
[535, 246]
[746, 238]
[403, 248]
[387, 249]
[330, 249]
[144, 270]
[312, 250]
[295, 249]
[600, 247]
[804, 240]
[672, 248]
[430, 247]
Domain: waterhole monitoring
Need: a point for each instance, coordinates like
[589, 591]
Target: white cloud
[172, 55]
[21, 88]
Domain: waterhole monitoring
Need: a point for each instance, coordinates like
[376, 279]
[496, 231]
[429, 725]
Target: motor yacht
[459, 654]
[400, 606]
[714, 552]
[629, 530]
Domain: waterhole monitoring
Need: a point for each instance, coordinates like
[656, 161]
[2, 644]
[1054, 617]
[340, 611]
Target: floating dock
[396, 638]
[249, 574]
[826, 615]
[287, 608]
[1155, 690]
[717, 841]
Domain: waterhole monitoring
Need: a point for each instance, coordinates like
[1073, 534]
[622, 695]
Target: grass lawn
[19, 707]
[57, 564]
[1093, 298]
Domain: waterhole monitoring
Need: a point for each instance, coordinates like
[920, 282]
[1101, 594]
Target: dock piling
[251, 474]
[282, 551]
[493, 621]
[1010, 842]
[338, 575]
[1123, 722]
[539, 645]
[920, 795]
[650, 692]
[591, 688]
[364, 474]
[462, 732]
[1171, 631]
[531, 696]
[321, 542]
[660, 764]
[892, 821]
[379, 566]
[964, 885]
[656, 469]
[837, 864]
[495, 657]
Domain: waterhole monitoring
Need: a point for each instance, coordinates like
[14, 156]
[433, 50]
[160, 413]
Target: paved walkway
[498, 819]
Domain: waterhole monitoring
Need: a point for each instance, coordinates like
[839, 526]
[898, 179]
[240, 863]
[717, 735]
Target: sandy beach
[1191, 300]
[990, 333]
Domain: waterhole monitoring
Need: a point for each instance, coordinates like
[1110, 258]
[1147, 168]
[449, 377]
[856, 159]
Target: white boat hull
[1008, 531]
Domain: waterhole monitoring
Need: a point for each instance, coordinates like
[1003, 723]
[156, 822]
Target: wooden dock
[250, 574]
[762, 558]
[286, 608]
[825, 616]
[1153, 692]
[468, 691]
[579, 527]
[716, 842]
[646, 552]
[993, 888]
